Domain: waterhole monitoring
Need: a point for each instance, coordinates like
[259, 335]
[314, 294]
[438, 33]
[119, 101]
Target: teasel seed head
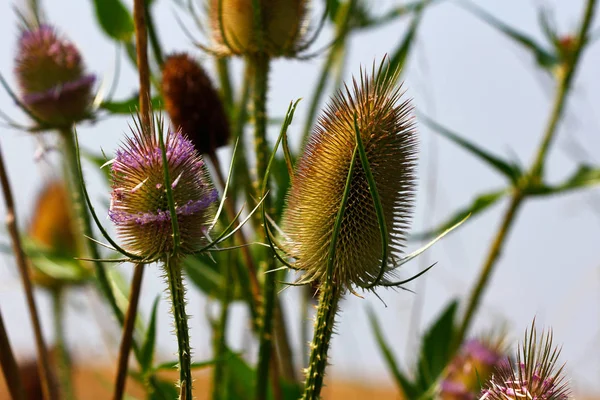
[193, 104]
[53, 229]
[389, 137]
[279, 34]
[473, 366]
[534, 375]
[140, 207]
[52, 78]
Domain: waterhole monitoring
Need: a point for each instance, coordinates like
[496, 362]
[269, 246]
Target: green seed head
[388, 134]
[237, 29]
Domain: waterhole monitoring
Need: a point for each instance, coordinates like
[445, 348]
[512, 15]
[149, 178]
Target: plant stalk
[64, 358]
[177, 291]
[220, 341]
[48, 387]
[533, 177]
[128, 328]
[324, 322]
[141, 42]
[10, 369]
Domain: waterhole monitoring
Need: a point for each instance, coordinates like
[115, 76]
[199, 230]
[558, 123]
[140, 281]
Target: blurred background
[462, 73]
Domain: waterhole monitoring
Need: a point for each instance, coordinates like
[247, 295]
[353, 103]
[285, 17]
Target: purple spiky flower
[52, 78]
[139, 206]
[535, 375]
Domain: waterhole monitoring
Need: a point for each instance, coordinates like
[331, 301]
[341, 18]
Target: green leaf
[399, 55]
[130, 105]
[543, 57]
[115, 19]
[508, 169]
[436, 349]
[163, 390]
[204, 273]
[584, 176]
[147, 351]
[404, 384]
[478, 205]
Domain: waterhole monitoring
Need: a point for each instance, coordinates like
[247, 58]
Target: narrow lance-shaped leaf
[584, 176]
[481, 203]
[114, 19]
[130, 105]
[404, 384]
[436, 349]
[510, 170]
[543, 57]
[399, 55]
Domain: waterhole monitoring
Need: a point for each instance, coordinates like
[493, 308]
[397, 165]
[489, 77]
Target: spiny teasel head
[472, 367]
[388, 133]
[53, 229]
[238, 29]
[193, 104]
[140, 206]
[52, 78]
[535, 375]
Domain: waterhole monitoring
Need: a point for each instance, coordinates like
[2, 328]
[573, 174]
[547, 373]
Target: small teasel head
[53, 228]
[277, 28]
[193, 104]
[373, 106]
[472, 367]
[535, 374]
[51, 76]
[140, 206]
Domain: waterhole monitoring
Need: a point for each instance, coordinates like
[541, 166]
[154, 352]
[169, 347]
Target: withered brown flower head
[389, 137]
[193, 104]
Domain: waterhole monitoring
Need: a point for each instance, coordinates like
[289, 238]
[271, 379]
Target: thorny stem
[127, 335]
[63, 359]
[177, 291]
[324, 322]
[532, 178]
[48, 388]
[10, 369]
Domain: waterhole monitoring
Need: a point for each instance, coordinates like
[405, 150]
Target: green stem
[219, 388]
[83, 218]
[177, 291]
[64, 359]
[336, 52]
[307, 292]
[324, 322]
[266, 338]
[225, 80]
[531, 179]
[260, 68]
[152, 35]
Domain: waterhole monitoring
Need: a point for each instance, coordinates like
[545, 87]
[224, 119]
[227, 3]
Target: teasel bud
[238, 29]
[53, 229]
[535, 374]
[473, 366]
[193, 104]
[52, 78]
[139, 205]
[388, 133]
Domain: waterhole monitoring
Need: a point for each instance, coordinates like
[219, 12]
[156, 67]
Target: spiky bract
[279, 34]
[51, 77]
[53, 229]
[193, 104]
[535, 375]
[140, 207]
[474, 364]
[388, 133]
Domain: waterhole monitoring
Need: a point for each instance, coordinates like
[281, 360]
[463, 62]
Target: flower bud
[139, 206]
[473, 365]
[52, 228]
[389, 137]
[280, 31]
[51, 76]
[193, 104]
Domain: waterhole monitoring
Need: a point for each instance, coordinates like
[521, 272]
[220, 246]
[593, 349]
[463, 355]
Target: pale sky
[469, 78]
